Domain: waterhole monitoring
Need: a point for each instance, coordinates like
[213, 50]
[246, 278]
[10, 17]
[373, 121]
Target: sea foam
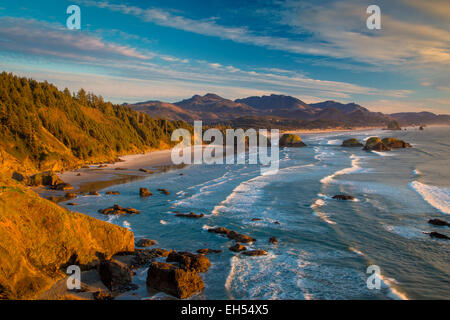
[438, 197]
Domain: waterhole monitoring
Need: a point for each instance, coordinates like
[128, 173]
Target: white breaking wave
[127, 225]
[382, 154]
[438, 197]
[417, 172]
[354, 168]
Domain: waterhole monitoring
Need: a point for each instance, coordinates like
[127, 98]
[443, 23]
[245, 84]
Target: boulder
[72, 204]
[237, 247]
[144, 242]
[116, 209]
[291, 141]
[112, 193]
[207, 250]
[174, 281]
[439, 222]
[70, 195]
[352, 143]
[256, 219]
[190, 215]
[395, 143]
[146, 170]
[93, 193]
[255, 252]
[273, 240]
[190, 261]
[343, 197]
[219, 230]
[115, 274]
[45, 179]
[439, 235]
[144, 192]
[420, 128]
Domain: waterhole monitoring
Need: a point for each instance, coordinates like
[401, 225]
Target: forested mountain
[43, 128]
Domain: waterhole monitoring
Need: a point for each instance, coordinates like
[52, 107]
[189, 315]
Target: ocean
[325, 245]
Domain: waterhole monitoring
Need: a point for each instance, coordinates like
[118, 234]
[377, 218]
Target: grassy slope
[38, 238]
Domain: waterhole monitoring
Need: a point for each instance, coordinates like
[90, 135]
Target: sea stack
[291, 141]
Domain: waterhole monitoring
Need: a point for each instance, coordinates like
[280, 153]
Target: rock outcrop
[144, 242]
[174, 281]
[144, 192]
[39, 239]
[112, 193]
[393, 125]
[273, 240]
[115, 275]
[439, 222]
[237, 248]
[395, 143]
[352, 143]
[116, 209]
[190, 261]
[233, 235]
[439, 235]
[164, 191]
[291, 141]
[376, 144]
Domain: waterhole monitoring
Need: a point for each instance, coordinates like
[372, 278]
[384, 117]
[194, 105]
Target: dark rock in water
[255, 252]
[161, 252]
[256, 219]
[273, 240]
[93, 193]
[190, 261]
[343, 197]
[112, 193]
[238, 237]
[237, 247]
[181, 174]
[220, 230]
[102, 295]
[291, 141]
[119, 168]
[164, 191]
[207, 250]
[420, 128]
[70, 195]
[146, 170]
[115, 274]
[439, 222]
[78, 174]
[393, 125]
[376, 144]
[276, 222]
[144, 192]
[72, 204]
[174, 281]
[116, 209]
[439, 235]
[190, 215]
[351, 143]
[144, 242]
[395, 143]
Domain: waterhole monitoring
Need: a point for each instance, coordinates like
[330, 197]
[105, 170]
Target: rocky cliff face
[39, 239]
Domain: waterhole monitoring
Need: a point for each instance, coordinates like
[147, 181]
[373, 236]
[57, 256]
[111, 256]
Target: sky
[139, 50]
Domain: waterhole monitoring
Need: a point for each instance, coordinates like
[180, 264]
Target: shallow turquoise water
[325, 246]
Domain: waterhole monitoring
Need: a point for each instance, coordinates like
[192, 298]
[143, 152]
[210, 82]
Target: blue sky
[130, 51]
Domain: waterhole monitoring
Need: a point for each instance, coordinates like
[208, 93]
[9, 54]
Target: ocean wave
[382, 154]
[438, 197]
[416, 172]
[354, 168]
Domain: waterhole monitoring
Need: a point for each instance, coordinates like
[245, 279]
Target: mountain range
[280, 110]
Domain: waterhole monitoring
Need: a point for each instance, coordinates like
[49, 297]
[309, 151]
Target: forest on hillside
[41, 125]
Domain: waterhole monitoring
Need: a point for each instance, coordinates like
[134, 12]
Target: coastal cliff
[39, 239]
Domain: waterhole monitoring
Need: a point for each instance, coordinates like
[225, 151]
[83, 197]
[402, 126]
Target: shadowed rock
[343, 197]
[238, 247]
[291, 141]
[233, 235]
[375, 144]
[174, 281]
[190, 215]
[439, 235]
[164, 191]
[439, 222]
[115, 274]
[112, 193]
[207, 250]
[351, 143]
[144, 192]
[116, 209]
[273, 240]
[395, 143]
[144, 242]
